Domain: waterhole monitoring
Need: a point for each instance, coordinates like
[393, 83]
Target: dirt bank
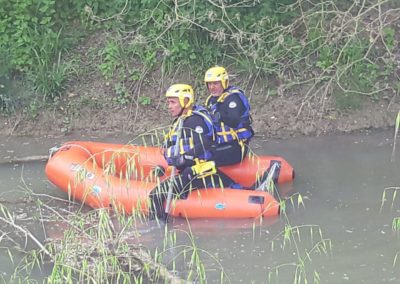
[274, 117]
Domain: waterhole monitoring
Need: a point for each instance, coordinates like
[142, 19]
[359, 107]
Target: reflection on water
[341, 179]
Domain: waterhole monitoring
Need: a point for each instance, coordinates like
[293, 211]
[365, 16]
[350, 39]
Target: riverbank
[302, 82]
[276, 117]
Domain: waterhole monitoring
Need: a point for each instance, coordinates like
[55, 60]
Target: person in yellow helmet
[187, 147]
[230, 110]
[196, 133]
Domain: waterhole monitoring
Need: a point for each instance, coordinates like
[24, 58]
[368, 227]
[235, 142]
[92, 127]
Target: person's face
[215, 88]
[174, 106]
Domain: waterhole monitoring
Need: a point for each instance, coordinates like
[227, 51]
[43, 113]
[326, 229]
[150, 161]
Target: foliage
[122, 95]
[327, 46]
[337, 49]
[47, 74]
[14, 94]
[6, 103]
[21, 27]
[28, 32]
[110, 59]
[145, 100]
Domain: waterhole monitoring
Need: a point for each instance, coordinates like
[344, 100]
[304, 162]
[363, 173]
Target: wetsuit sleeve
[231, 110]
[195, 127]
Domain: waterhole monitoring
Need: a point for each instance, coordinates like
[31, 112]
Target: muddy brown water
[341, 179]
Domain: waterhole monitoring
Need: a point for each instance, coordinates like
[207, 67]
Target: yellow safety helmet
[215, 74]
[181, 91]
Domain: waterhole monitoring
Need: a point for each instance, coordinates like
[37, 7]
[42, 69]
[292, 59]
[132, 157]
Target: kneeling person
[187, 147]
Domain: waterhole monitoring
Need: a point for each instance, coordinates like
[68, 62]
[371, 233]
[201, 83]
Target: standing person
[187, 147]
[230, 110]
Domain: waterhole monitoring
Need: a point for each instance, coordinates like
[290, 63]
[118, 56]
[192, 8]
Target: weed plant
[302, 241]
[390, 193]
[396, 131]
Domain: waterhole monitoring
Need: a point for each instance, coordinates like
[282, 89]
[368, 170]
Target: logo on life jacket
[232, 105]
[199, 129]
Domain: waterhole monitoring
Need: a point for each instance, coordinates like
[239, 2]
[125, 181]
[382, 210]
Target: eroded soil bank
[273, 117]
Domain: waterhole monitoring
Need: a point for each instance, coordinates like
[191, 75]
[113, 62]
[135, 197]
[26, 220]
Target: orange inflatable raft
[121, 177]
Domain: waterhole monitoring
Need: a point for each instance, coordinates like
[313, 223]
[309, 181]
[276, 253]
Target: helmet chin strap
[183, 108]
[181, 112]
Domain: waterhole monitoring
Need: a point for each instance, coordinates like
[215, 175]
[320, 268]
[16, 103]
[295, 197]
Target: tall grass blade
[396, 129]
[395, 259]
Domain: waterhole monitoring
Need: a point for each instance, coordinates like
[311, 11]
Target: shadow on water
[341, 180]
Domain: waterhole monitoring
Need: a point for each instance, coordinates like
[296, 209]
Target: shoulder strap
[208, 100]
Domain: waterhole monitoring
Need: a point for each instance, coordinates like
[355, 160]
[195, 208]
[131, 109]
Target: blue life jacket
[187, 143]
[224, 133]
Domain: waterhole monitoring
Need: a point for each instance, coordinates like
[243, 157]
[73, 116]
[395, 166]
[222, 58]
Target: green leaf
[145, 101]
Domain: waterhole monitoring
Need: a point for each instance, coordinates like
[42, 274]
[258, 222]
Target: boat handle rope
[52, 151]
[55, 149]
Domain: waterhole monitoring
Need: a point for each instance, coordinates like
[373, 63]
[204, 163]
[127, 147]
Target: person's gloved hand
[176, 161]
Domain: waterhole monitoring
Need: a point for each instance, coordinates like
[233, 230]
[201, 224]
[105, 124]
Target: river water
[341, 180]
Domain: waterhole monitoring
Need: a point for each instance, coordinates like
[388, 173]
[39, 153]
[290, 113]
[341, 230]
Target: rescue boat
[121, 177]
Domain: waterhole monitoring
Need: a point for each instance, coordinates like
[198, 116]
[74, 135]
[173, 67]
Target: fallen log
[14, 160]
